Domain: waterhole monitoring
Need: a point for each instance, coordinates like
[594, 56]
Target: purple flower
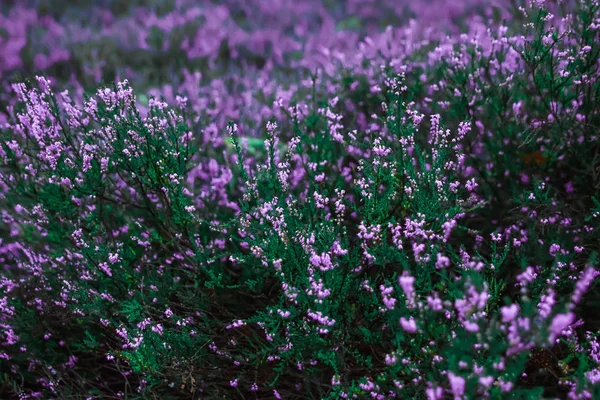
[457, 384]
[559, 323]
[509, 313]
[409, 325]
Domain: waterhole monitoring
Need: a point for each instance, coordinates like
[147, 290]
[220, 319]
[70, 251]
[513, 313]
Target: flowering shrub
[395, 213]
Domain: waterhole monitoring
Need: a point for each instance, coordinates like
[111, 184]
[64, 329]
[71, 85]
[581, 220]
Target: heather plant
[377, 214]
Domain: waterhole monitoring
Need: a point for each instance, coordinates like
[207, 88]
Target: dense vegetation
[299, 200]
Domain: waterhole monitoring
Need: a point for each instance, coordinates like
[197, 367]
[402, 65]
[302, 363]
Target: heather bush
[404, 212]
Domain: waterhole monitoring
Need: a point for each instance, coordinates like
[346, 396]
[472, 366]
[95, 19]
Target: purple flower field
[316, 199]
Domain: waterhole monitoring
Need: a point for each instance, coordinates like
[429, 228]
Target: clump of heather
[395, 213]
